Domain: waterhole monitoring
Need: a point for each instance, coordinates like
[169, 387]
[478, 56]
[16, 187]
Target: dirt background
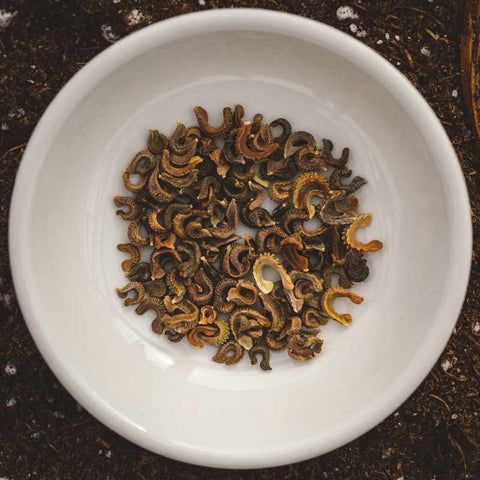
[45, 434]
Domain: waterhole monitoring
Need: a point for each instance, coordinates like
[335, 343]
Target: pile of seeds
[203, 280]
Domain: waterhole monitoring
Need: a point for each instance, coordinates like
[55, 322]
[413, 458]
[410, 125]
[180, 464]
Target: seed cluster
[203, 280]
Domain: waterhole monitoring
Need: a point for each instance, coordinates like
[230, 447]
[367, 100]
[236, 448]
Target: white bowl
[171, 398]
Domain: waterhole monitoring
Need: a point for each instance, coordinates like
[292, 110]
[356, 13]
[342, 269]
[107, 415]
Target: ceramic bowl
[171, 398]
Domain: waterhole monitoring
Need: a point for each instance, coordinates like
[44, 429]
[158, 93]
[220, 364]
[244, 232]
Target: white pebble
[108, 453]
[454, 416]
[108, 34]
[362, 34]
[4, 127]
[201, 3]
[455, 93]
[353, 28]
[117, 1]
[11, 402]
[6, 297]
[379, 42]
[387, 36]
[425, 51]
[345, 13]
[476, 327]
[18, 113]
[6, 18]
[446, 365]
[397, 38]
[135, 17]
[10, 369]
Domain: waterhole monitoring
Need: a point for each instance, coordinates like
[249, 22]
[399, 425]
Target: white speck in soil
[10, 369]
[108, 34]
[117, 1]
[476, 327]
[201, 3]
[345, 13]
[4, 127]
[135, 17]
[6, 18]
[397, 38]
[454, 416]
[455, 93]
[35, 435]
[11, 402]
[379, 42]
[18, 113]
[425, 51]
[6, 298]
[387, 36]
[353, 28]
[446, 365]
[362, 34]
[108, 453]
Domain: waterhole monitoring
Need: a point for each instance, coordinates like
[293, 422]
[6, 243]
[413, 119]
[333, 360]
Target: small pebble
[135, 17]
[425, 51]
[345, 13]
[476, 327]
[446, 365]
[454, 416]
[6, 18]
[18, 113]
[455, 93]
[11, 402]
[10, 369]
[4, 127]
[108, 453]
[35, 436]
[362, 34]
[379, 42]
[353, 28]
[387, 36]
[108, 34]
[397, 38]
[201, 3]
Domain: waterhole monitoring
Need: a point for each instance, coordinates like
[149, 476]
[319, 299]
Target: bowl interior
[171, 397]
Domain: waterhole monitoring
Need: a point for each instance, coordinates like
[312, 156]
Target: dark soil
[45, 434]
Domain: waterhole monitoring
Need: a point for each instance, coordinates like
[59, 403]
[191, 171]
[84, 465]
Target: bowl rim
[219, 20]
